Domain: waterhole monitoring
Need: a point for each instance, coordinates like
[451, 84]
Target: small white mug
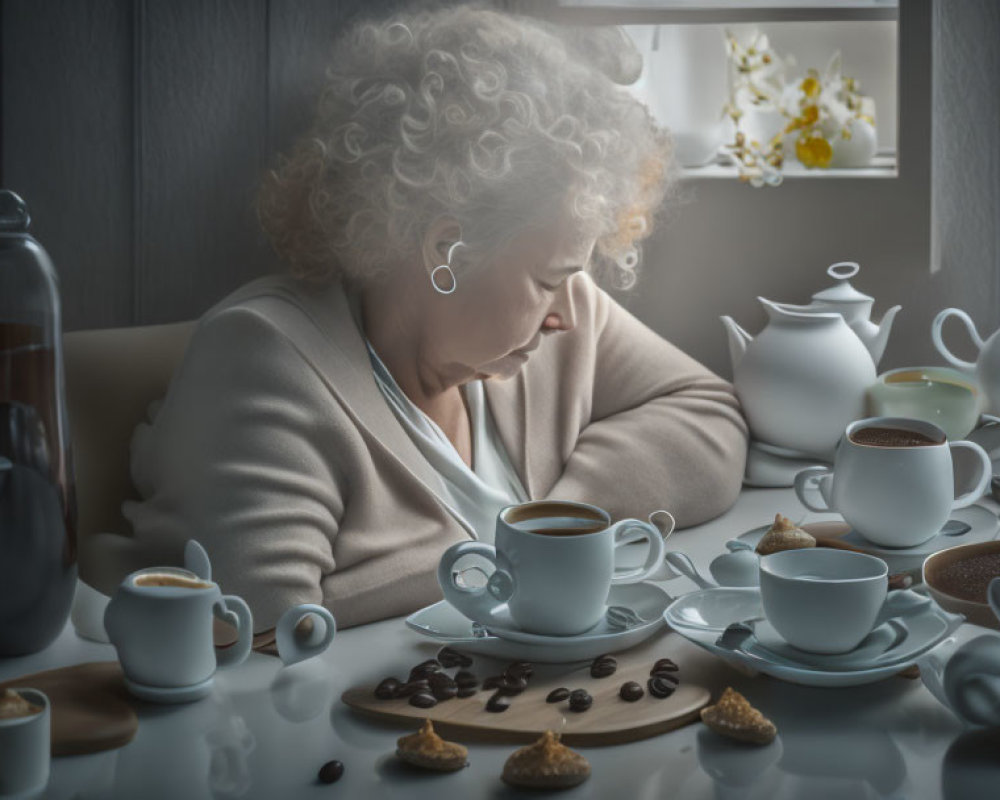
[895, 496]
[824, 600]
[160, 622]
[555, 563]
[25, 748]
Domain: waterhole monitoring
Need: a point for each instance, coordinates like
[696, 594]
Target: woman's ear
[441, 234]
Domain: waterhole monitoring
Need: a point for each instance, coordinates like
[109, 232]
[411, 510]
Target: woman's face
[499, 313]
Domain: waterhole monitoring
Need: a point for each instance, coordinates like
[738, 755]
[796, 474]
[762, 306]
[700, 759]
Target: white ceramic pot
[802, 379]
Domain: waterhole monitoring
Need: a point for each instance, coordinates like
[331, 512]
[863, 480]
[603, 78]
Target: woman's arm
[239, 458]
[663, 432]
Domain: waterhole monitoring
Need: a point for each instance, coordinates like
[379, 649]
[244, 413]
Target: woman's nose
[561, 316]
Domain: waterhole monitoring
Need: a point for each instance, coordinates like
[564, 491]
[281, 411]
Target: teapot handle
[936, 326]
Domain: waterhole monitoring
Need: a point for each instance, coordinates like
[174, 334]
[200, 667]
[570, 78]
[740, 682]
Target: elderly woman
[438, 348]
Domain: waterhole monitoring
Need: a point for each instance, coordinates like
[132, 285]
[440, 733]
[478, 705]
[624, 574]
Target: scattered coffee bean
[556, 695]
[498, 702]
[658, 687]
[444, 691]
[465, 679]
[631, 691]
[452, 658]
[425, 669]
[412, 687]
[331, 771]
[423, 700]
[667, 676]
[492, 682]
[580, 700]
[512, 686]
[663, 665]
[520, 669]
[466, 691]
[386, 690]
[602, 669]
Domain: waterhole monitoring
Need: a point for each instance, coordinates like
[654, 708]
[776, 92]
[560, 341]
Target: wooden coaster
[609, 720]
[91, 708]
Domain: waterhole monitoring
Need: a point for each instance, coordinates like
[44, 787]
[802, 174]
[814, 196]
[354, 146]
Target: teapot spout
[738, 340]
[876, 343]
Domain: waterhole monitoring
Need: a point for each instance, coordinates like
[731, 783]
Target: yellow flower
[809, 115]
[810, 86]
[814, 151]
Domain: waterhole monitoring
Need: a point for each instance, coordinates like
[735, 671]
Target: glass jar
[38, 554]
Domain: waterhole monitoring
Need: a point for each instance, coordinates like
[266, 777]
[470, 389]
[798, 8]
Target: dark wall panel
[67, 145]
[202, 110]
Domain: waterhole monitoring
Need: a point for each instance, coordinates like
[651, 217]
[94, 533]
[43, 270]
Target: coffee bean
[557, 694]
[602, 669]
[512, 685]
[423, 700]
[517, 669]
[464, 679]
[444, 692]
[658, 687]
[667, 676]
[492, 682]
[664, 665]
[386, 690]
[452, 658]
[425, 670]
[466, 691]
[580, 700]
[631, 691]
[498, 702]
[331, 771]
[412, 687]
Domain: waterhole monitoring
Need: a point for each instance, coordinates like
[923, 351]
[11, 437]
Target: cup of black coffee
[893, 480]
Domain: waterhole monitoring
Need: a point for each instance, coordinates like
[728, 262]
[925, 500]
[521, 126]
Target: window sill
[882, 166]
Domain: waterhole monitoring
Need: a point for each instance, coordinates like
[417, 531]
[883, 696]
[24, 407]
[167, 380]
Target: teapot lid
[842, 291]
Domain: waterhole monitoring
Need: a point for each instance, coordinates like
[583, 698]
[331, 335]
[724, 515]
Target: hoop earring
[447, 268]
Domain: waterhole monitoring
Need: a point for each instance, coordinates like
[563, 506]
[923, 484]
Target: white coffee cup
[895, 496]
[824, 600]
[555, 563]
[164, 633]
[25, 748]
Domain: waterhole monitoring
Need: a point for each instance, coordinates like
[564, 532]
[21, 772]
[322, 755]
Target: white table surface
[266, 729]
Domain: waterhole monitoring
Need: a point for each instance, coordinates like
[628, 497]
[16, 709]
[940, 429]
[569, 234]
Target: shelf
[670, 12]
[882, 166]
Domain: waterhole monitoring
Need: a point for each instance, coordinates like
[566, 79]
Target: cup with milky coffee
[160, 621]
[555, 563]
[25, 741]
[893, 480]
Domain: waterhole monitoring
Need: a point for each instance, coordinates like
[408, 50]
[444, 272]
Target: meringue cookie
[733, 716]
[426, 749]
[784, 535]
[546, 764]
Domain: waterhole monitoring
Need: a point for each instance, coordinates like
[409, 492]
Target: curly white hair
[498, 120]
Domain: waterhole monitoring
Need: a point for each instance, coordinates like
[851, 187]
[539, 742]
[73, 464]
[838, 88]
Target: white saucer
[164, 694]
[701, 617]
[982, 523]
[443, 622]
[508, 629]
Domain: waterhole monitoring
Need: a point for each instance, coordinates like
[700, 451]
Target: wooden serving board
[90, 706]
[609, 720]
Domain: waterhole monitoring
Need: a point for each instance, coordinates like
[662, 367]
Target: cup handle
[644, 530]
[802, 478]
[477, 603]
[232, 609]
[936, 326]
[973, 495]
[290, 649]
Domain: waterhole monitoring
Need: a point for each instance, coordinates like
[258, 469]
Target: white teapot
[804, 377]
[986, 370]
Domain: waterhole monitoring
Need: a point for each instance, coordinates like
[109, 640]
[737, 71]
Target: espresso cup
[25, 747]
[893, 480]
[943, 396]
[554, 565]
[160, 622]
[824, 600]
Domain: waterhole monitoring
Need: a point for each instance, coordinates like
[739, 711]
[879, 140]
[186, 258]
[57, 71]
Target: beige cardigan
[275, 449]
